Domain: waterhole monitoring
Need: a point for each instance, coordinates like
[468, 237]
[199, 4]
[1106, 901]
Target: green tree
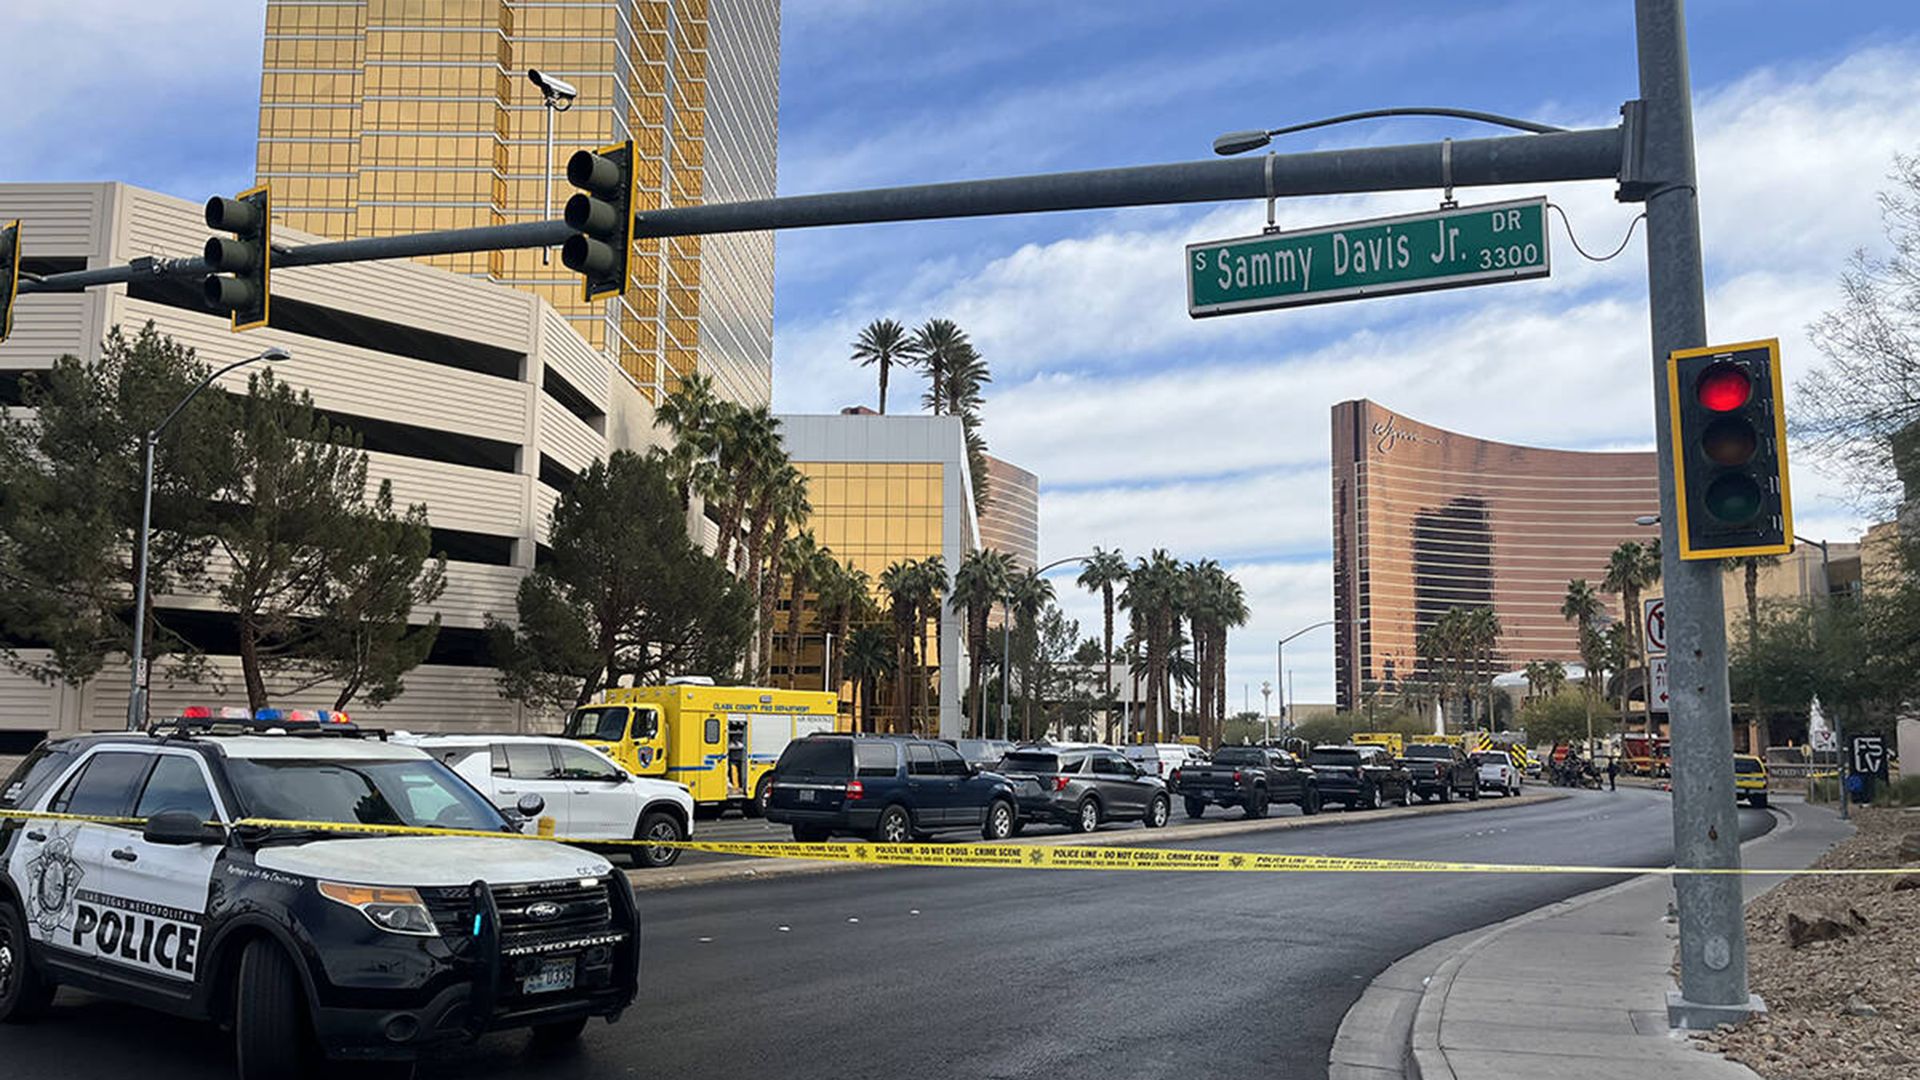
[870, 658]
[883, 344]
[1101, 574]
[846, 598]
[901, 582]
[1559, 717]
[363, 638]
[979, 583]
[1030, 594]
[1545, 677]
[625, 595]
[70, 479]
[1631, 568]
[1153, 593]
[1582, 608]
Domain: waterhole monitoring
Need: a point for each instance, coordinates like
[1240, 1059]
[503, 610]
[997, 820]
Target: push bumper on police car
[504, 956]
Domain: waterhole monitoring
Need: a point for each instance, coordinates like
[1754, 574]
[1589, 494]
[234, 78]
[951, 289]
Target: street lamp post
[1006, 645]
[1839, 733]
[1280, 660]
[137, 692]
[1266, 708]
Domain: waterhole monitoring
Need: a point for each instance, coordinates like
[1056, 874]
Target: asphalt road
[997, 973]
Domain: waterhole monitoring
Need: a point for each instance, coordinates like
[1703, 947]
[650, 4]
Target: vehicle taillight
[1174, 776]
[1236, 776]
[1060, 782]
[856, 790]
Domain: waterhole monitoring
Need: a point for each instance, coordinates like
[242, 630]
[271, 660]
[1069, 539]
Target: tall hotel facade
[1425, 520]
[380, 117]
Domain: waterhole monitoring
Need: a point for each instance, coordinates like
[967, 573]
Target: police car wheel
[24, 992]
[559, 1034]
[271, 1040]
[658, 828]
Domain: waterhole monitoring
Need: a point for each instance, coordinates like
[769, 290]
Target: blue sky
[1149, 429]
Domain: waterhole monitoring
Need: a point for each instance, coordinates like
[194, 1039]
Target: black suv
[1361, 777]
[308, 943]
[890, 788]
[1441, 770]
[1083, 786]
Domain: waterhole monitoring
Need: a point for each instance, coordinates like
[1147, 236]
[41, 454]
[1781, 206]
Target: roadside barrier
[1013, 856]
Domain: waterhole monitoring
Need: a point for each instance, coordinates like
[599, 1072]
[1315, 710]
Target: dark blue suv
[890, 788]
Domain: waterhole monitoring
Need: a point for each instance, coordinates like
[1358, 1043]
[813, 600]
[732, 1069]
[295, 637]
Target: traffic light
[243, 264]
[9, 274]
[1730, 451]
[602, 214]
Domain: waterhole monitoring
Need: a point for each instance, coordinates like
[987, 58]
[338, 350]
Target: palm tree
[691, 414]
[1631, 568]
[1100, 573]
[1749, 566]
[748, 442]
[1545, 677]
[882, 343]
[1152, 592]
[805, 563]
[1029, 594]
[1483, 632]
[1582, 608]
[978, 584]
[930, 589]
[846, 597]
[939, 348]
[779, 504]
[870, 658]
[900, 581]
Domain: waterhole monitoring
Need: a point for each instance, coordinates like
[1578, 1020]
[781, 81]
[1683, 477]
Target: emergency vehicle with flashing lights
[306, 942]
[720, 741]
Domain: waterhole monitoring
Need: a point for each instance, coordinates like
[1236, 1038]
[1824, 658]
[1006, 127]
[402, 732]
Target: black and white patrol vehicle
[308, 943]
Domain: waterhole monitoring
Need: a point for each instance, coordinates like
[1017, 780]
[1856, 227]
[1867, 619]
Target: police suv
[307, 942]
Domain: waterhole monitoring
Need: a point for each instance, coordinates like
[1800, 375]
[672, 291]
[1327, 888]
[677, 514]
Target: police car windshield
[403, 792]
[604, 725]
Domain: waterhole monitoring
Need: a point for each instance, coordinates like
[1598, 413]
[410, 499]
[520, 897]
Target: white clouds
[1210, 438]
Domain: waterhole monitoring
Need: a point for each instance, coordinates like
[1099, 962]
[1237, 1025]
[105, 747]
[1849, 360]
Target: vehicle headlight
[397, 911]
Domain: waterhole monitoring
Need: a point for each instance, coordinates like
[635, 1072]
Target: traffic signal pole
[1706, 826]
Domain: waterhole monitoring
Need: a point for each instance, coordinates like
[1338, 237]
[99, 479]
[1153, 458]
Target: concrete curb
[755, 869]
[1378, 1040]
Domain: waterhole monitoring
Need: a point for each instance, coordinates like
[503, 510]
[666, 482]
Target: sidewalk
[1577, 990]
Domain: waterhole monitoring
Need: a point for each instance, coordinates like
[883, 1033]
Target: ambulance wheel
[271, 1040]
[24, 992]
[761, 793]
[560, 1033]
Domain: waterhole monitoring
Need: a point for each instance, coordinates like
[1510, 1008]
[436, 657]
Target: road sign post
[1653, 623]
[1439, 249]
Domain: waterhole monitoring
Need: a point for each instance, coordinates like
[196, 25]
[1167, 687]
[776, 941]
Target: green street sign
[1439, 249]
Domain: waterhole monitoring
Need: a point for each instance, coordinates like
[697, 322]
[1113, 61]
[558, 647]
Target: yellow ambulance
[720, 741]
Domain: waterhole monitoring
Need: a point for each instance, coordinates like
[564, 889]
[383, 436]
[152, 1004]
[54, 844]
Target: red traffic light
[1724, 388]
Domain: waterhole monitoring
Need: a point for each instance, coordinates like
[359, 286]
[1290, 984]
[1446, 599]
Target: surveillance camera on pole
[559, 92]
[239, 284]
[557, 95]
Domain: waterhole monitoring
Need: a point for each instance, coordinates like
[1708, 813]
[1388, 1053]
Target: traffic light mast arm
[1589, 154]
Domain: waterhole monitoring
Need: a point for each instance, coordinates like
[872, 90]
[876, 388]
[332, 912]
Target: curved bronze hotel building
[1425, 520]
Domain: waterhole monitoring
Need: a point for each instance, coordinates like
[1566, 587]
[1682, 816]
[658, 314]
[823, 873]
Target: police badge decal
[53, 879]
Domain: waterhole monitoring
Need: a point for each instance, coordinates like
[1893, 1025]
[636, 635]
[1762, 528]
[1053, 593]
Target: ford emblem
[544, 911]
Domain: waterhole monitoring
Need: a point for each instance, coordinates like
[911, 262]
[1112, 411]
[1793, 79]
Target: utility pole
[1706, 827]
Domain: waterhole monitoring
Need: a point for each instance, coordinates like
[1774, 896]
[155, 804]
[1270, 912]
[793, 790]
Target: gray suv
[1083, 786]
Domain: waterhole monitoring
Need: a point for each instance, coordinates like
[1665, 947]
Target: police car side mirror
[179, 828]
[530, 805]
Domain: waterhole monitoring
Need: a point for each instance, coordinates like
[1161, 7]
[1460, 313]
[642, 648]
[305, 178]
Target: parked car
[1497, 771]
[1251, 778]
[587, 795]
[1750, 780]
[890, 788]
[1360, 777]
[1165, 760]
[1441, 771]
[303, 943]
[981, 753]
[1084, 786]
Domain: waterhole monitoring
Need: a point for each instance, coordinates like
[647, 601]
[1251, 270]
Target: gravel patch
[1846, 1008]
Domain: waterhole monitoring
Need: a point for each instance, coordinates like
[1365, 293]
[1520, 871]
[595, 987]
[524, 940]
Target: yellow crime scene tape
[1023, 856]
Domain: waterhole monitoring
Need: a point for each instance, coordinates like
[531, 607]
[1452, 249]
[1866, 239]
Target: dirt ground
[1847, 1009]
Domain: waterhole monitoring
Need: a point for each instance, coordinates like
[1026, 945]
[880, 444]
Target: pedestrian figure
[1613, 771]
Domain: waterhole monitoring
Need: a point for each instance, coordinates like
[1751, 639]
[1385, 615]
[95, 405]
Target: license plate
[552, 975]
[805, 794]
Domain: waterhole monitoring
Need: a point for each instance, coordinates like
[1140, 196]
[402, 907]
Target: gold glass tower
[380, 117]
